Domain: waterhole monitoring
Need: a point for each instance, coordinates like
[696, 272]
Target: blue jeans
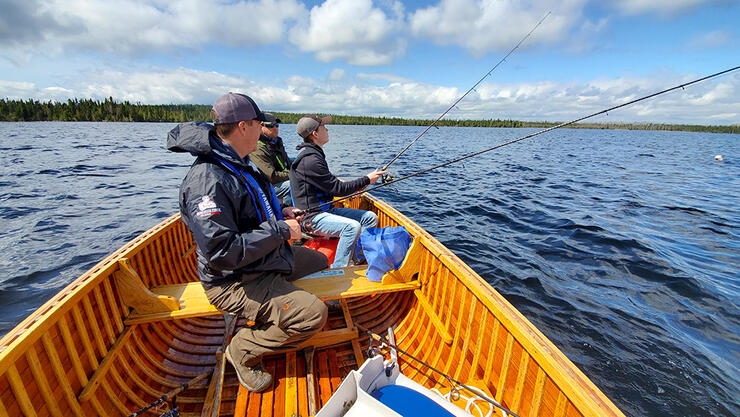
[347, 224]
[282, 190]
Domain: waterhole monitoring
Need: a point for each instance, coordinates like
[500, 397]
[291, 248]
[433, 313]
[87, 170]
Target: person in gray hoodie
[245, 261]
[313, 187]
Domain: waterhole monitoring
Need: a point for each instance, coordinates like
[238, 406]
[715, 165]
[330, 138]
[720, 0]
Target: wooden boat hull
[76, 356]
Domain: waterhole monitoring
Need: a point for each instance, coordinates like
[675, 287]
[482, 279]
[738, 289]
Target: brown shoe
[253, 378]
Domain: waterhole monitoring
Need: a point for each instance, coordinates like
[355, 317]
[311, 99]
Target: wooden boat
[112, 341]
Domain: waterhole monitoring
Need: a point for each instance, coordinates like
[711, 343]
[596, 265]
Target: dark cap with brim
[310, 122]
[233, 108]
[270, 118]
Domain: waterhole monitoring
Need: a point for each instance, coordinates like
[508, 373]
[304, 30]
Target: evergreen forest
[109, 110]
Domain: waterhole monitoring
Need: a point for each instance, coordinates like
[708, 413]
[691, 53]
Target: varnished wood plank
[335, 377]
[85, 336]
[255, 402]
[436, 322]
[99, 373]
[72, 350]
[291, 384]
[324, 377]
[103, 310]
[561, 405]
[3, 410]
[468, 332]
[539, 389]
[504, 367]
[62, 380]
[302, 389]
[454, 360]
[268, 396]
[310, 381]
[115, 308]
[242, 400]
[492, 352]
[97, 336]
[19, 390]
[483, 330]
[212, 401]
[519, 386]
[114, 400]
[279, 381]
[41, 380]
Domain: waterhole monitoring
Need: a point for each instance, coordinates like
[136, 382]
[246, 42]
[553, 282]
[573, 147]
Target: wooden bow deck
[95, 350]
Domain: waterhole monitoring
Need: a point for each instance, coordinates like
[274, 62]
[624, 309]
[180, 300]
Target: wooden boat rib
[78, 354]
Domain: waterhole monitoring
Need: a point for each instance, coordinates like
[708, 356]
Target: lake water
[622, 247]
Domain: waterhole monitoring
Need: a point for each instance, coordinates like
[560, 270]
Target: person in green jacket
[272, 159]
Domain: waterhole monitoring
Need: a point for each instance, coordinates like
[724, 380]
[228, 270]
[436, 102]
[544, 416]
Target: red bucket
[327, 246]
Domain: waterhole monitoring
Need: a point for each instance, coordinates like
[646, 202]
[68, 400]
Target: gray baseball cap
[270, 118]
[310, 122]
[233, 108]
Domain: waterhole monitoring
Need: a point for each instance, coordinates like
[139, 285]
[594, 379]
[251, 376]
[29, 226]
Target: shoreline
[110, 110]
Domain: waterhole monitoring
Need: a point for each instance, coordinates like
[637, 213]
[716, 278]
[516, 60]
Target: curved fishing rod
[468, 92]
[424, 171]
[454, 383]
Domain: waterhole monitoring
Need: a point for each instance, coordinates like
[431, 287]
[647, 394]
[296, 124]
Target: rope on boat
[531, 135]
[174, 412]
[455, 385]
[468, 92]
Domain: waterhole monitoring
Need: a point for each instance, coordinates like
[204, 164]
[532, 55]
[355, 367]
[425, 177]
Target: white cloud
[337, 74]
[352, 30]
[482, 26]
[713, 101]
[711, 40]
[665, 7]
[132, 27]
[381, 77]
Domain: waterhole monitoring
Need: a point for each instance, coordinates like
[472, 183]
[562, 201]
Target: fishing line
[424, 171]
[468, 92]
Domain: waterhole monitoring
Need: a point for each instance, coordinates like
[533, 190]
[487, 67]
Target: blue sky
[382, 57]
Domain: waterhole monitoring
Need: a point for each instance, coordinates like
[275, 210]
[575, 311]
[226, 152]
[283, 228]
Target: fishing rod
[462, 158]
[172, 394]
[454, 383]
[468, 92]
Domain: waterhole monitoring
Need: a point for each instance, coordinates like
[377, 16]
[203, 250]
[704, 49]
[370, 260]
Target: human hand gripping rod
[424, 171]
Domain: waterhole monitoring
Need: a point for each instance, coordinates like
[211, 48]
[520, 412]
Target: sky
[408, 59]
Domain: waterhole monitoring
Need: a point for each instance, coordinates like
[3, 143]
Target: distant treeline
[110, 110]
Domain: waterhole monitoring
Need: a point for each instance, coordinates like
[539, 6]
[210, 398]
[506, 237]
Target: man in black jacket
[313, 185]
[272, 159]
[242, 236]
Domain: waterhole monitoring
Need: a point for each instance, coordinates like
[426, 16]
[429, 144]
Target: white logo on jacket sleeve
[207, 207]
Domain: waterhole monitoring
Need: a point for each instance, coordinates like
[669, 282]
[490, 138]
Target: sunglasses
[270, 125]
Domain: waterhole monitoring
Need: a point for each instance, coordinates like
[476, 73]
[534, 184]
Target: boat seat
[189, 299]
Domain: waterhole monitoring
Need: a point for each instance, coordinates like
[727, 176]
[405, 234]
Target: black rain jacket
[312, 184]
[217, 208]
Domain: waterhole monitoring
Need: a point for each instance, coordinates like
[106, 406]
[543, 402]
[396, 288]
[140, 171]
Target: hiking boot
[253, 378]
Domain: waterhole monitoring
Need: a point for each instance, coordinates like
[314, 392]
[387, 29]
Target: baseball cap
[270, 118]
[310, 122]
[235, 107]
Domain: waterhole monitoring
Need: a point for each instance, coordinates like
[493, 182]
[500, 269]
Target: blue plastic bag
[385, 249]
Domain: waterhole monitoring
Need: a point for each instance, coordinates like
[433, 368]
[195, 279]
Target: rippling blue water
[622, 247]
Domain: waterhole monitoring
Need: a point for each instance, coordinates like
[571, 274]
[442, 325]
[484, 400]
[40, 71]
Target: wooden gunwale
[30, 329]
[579, 390]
